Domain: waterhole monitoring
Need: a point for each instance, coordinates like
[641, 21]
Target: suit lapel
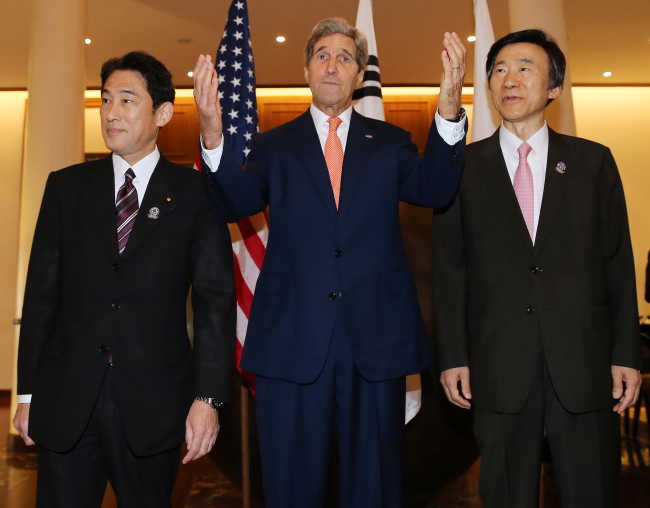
[357, 152]
[554, 185]
[101, 208]
[158, 190]
[311, 153]
[494, 171]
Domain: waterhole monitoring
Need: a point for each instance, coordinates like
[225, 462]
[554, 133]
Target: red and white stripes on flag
[249, 237]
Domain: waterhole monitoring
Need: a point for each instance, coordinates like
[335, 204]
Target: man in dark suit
[109, 382]
[335, 324]
[535, 293]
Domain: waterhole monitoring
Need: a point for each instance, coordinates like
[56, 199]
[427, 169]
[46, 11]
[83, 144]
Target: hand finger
[618, 386]
[458, 48]
[193, 450]
[447, 394]
[453, 53]
[455, 395]
[446, 63]
[464, 384]
[626, 400]
[28, 440]
[198, 65]
[188, 435]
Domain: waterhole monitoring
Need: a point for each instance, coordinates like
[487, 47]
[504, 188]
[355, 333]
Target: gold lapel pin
[168, 199]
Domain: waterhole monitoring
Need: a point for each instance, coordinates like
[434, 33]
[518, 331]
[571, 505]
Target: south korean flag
[367, 99]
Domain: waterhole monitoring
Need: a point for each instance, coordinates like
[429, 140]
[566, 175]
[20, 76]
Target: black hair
[155, 75]
[556, 59]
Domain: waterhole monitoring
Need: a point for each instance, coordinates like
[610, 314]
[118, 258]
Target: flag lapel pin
[560, 168]
[154, 212]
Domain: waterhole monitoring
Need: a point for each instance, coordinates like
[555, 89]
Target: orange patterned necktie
[334, 157]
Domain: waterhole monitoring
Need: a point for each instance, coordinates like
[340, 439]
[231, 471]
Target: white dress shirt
[143, 169]
[451, 132]
[537, 157]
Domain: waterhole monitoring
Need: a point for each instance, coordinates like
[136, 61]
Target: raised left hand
[201, 429]
[632, 379]
[453, 76]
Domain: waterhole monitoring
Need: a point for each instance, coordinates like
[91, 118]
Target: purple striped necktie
[126, 206]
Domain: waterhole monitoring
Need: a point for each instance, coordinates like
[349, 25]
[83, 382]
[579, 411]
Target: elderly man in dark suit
[335, 325]
[535, 293]
[109, 383]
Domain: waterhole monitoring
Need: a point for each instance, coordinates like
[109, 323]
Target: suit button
[116, 267]
[530, 309]
[115, 306]
[534, 269]
[332, 296]
[103, 349]
[338, 253]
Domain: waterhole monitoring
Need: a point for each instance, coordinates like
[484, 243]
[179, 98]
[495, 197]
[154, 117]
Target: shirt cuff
[25, 399]
[213, 156]
[451, 132]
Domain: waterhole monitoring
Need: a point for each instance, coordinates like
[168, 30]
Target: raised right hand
[449, 379]
[206, 84]
[21, 423]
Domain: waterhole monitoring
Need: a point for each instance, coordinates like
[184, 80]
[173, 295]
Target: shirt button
[116, 267]
[115, 306]
[332, 296]
[103, 349]
[455, 135]
[530, 309]
[338, 253]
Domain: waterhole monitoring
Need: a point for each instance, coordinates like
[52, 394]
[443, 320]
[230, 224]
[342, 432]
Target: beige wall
[12, 112]
[616, 117]
[619, 117]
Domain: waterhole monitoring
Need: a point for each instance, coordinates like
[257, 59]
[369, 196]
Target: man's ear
[165, 112]
[554, 93]
[360, 77]
[307, 74]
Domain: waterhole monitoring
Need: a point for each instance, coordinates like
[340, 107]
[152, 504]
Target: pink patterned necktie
[334, 157]
[524, 189]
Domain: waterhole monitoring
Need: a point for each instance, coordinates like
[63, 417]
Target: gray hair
[333, 26]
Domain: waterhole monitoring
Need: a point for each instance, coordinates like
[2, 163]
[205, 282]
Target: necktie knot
[334, 122]
[524, 149]
[130, 174]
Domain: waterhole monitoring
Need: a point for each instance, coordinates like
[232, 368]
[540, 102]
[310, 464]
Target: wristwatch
[215, 404]
[461, 114]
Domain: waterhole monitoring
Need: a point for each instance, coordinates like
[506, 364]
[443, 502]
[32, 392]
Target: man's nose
[511, 80]
[332, 67]
[112, 111]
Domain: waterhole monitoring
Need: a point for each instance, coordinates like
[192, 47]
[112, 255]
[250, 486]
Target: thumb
[618, 386]
[188, 434]
[464, 383]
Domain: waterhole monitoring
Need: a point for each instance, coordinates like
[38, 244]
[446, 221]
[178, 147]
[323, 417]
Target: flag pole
[245, 449]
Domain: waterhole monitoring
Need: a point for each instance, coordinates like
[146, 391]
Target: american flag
[236, 70]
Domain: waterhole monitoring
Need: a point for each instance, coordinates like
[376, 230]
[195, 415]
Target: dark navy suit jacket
[320, 261]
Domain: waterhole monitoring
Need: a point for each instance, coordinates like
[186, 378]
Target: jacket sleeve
[42, 289]
[618, 261]
[214, 305]
[432, 180]
[450, 287]
[235, 192]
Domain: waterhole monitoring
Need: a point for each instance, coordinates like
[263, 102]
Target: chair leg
[626, 421]
[637, 414]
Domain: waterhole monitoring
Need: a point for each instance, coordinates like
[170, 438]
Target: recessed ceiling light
[607, 74]
[280, 39]
[88, 41]
[471, 38]
[190, 74]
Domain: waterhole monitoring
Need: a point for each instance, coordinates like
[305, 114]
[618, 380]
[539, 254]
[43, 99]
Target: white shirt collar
[510, 143]
[143, 169]
[320, 118]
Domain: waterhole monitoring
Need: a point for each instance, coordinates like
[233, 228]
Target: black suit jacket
[497, 294]
[83, 303]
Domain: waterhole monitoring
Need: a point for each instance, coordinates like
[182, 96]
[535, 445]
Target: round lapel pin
[560, 168]
[154, 212]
